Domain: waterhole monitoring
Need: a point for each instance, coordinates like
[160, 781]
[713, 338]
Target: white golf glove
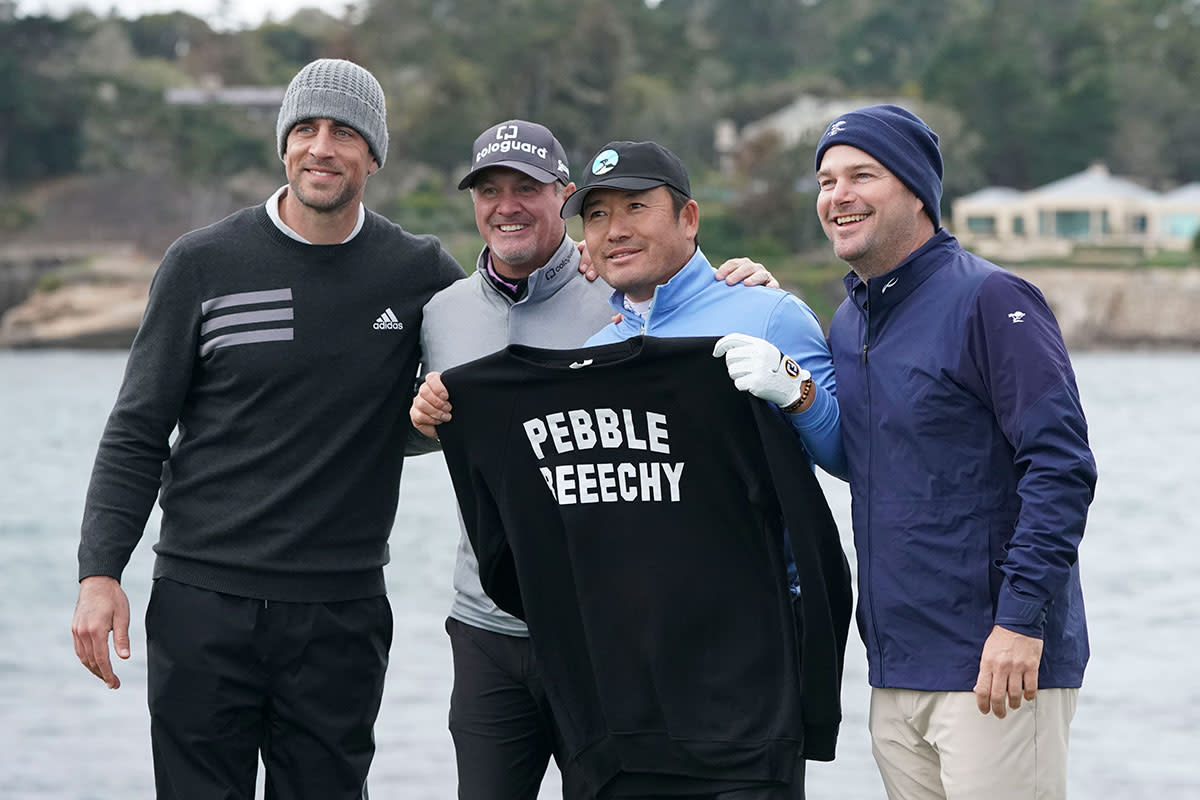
[758, 367]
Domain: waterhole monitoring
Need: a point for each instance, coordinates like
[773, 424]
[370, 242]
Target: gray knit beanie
[339, 90]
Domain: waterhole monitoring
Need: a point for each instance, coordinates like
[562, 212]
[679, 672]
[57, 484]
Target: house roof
[1188, 193]
[993, 194]
[1093, 183]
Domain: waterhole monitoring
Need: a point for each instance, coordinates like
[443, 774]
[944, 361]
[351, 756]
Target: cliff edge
[1097, 308]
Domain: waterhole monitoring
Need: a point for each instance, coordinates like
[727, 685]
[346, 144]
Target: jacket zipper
[866, 346]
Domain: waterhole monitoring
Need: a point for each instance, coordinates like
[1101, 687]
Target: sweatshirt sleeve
[449, 271]
[795, 330]
[826, 600]
[128, 468]
[481, 518]
[1016, 349]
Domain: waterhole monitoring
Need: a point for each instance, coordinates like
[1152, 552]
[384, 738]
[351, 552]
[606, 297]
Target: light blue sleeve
[794, 329]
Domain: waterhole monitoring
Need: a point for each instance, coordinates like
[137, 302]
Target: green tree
[42, 107]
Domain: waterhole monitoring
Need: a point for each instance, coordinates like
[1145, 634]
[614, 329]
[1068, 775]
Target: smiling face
[327, 165]
[873, 220]
[517, 216]
[636, 240]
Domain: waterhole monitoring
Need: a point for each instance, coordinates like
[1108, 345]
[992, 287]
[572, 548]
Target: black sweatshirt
[629, 503]
[288, 369]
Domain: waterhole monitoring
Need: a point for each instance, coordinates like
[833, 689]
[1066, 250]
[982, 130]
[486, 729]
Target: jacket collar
[561, 269]
[891, 288]
[694, 277]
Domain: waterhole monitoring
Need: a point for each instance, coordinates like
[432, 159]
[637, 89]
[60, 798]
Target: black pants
[230, 677]
[500, 720]
[792, 791]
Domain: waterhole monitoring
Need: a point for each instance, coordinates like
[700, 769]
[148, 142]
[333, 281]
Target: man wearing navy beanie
[970, 479]
[901, 142]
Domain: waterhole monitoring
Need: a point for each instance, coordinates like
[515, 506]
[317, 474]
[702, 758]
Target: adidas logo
[387, 322]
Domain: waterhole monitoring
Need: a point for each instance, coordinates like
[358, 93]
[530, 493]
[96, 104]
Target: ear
[689, 218]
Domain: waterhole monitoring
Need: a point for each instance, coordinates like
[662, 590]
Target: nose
[507, 204]
[842, 192]
[321, 144]
[618, 227]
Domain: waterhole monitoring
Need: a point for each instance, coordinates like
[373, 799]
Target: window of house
[982, 225]
[1072, 224]
[1182, 225]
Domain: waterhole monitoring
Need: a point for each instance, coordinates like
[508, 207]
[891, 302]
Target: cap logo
[605, 162]
[836, 127]
[563, 168]
[506, 141]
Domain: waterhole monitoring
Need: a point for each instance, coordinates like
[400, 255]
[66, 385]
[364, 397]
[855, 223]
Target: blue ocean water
[1136, 732]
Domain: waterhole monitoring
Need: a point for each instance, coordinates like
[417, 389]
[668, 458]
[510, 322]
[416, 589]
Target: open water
[63, 736]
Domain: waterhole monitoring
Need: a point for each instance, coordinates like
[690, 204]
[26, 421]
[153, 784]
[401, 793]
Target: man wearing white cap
[281, 343]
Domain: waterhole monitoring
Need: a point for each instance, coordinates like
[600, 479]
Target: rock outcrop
[1122, 308]
[1096, 308]
[77, 316]
[93, 302]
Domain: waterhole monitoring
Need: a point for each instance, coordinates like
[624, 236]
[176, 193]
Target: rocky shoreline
[101, 305]
[90, 302]
[1108, 309]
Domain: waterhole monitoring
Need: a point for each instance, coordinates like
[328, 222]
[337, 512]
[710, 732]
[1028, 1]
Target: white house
[1178, 218]
[1092, 207]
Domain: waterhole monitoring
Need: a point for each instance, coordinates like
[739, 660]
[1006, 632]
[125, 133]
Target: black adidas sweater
[628, 502]
[288, 369]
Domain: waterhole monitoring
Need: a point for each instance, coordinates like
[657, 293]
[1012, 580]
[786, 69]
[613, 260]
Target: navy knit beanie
[899, 140]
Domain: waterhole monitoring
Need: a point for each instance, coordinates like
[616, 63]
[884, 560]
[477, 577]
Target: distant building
[800, 122]
[1092, 207]
[260, 97]
[1179, 214]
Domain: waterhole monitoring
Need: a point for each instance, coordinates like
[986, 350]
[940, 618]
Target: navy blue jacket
[970, 471]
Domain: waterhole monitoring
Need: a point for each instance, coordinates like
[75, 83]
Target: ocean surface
[64, 736]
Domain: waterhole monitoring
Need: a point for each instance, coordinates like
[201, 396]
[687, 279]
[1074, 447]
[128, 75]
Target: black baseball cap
[629, 165]
[524, 146]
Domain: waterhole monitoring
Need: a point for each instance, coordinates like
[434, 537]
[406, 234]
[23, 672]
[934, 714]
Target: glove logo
[791, 367]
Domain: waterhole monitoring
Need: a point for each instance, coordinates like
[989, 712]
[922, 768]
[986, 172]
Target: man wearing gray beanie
[281, 344]
[970, 479]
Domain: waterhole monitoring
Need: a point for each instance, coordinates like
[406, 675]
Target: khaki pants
[937, 746]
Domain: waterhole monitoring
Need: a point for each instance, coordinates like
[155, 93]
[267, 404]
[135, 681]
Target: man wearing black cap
[281, 343]
[641, 225]
[970, 478]
[527, 289]
[647, 705]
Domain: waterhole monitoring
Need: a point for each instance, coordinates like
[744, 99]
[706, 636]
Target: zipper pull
[864, 353]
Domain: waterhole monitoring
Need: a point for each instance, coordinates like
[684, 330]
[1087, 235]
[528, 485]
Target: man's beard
[335, 203]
